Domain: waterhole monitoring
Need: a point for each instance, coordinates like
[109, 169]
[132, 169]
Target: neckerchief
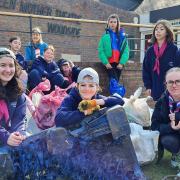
[173, 106]
[158, 52]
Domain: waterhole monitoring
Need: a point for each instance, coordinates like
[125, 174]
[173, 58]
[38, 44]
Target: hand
[174, 126]
[172, 116]
[44, 78]
[148, 92]
[108, 66]
[119, 66]
[87, 104]
[15, 139]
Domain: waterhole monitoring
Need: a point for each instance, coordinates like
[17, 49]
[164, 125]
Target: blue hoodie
[68, 113]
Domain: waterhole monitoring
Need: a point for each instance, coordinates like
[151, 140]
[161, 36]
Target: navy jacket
[68, 113]
[153, 81]
[21, 61]
[17, 113]
[75, 72]
[160, 118]
[45, 69]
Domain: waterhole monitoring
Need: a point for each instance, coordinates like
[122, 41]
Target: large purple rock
[105, 152]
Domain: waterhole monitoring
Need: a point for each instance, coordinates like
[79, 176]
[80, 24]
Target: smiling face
[15, 45]
[36, 37]
[173, 84]
[160, 32]
[7, 69]
[87, 89]
[66, 69]
[48, 55]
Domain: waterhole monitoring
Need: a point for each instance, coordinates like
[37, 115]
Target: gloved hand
[88, 106]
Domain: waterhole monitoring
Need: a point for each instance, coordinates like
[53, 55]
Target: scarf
[4, 113]
[158, 53]
[173, 106]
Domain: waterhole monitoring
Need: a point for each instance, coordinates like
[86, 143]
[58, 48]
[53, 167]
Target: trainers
[175, 160]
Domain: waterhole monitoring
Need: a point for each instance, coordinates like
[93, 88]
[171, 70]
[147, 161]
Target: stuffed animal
[88, 106]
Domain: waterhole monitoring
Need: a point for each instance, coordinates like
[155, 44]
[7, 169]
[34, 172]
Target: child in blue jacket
[87, 88]
[46, 68]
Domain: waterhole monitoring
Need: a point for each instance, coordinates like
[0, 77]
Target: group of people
[161, 77]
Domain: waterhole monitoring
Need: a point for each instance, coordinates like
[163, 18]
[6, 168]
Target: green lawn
[157, 172]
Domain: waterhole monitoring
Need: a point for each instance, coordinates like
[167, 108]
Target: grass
[158, 171]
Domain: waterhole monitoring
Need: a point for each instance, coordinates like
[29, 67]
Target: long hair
[169, 31]
[38, 30]
[118, 21]
[14, 87]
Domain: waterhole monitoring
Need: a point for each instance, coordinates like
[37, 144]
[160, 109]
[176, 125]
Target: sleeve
[111, 100]
[146, 72]
[178, 58]
[177, 116]
[101, 53]
[67, 114]
[28, 53]
[157, 122]
[4, 135]
[37, 64]
[19, 116]
[125, 55]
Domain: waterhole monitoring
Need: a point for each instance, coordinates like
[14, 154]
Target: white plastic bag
[145, 143]
[137, 109]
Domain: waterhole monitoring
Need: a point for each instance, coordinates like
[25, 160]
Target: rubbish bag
[116, 87]
[137, 109]
[145, 143]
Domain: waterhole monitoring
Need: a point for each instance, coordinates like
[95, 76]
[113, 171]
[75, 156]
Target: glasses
[4, 52]
[170, 83]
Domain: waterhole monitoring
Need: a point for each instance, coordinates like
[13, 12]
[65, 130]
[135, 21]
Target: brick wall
[85, 45]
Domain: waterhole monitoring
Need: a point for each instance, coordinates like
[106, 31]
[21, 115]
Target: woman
[166, 116]
[12, 101]
[87, 88]
[46, 68]
[35, 48]
[159, 58]
[113, 50]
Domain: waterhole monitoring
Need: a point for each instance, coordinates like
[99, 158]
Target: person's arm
[19, 116]
[38, 65]
[110, 101]
[101, 53]
[157, 120]
[146, 72]
[67, 114]
[4, 135]
[28, 53]
[125, 55]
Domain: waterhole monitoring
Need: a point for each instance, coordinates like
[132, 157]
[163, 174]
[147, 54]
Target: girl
[36, 47]
[113, 50]
[12, 101]
[46, 68]
[87, 88]
[166, 116]
[15, 46]
[160, 57]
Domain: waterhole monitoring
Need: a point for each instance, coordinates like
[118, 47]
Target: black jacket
[160, 118]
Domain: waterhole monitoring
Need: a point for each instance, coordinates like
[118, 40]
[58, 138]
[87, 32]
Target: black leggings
[171, 142]
[114, 72]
